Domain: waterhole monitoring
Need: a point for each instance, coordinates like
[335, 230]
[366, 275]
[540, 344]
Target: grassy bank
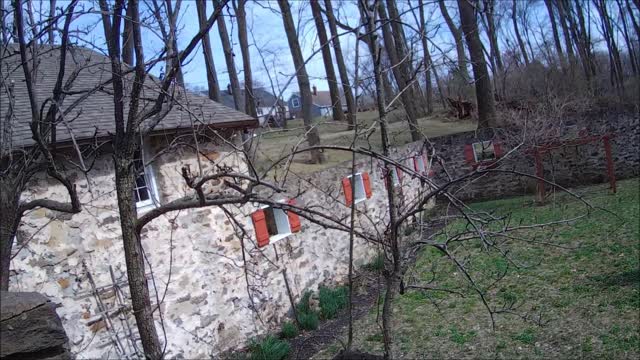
[578, 297]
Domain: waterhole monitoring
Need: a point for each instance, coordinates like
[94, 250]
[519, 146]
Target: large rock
[30, 328]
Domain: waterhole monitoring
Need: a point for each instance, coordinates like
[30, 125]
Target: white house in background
[270, 110]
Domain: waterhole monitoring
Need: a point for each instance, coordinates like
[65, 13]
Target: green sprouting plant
[308, 321]
[289, 330]
[269, 348]
[332, 301]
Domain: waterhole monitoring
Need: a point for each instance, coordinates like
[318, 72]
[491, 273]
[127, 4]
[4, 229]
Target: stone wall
[218, 290]
[212, 300]
[567, 166]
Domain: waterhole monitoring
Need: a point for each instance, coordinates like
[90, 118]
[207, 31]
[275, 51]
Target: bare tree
[342, 68]
[554, 30]
[212, 76]
[129, 130]
[516, 29]
[19, 166]
[395, 47]
[234, 86]
[459, 42]
[426, 57]
[249, 98]
[313, 138]
[484, 90]
[334, 93]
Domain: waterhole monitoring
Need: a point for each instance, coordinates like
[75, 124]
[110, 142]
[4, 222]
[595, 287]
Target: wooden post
[610, 170]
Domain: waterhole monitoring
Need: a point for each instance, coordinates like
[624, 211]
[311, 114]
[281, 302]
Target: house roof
[95, 114]
[262, 96]
[323, 98]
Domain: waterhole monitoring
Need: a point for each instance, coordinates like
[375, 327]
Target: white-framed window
[359, 193]
[484, 151]
[145, 191]
[259, 111]
[277, 223]
[295, 102]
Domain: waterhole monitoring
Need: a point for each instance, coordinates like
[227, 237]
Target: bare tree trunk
[556, 35]
[395, 48]
[392, 277]
[633, 57]
[457, 37]
[9, 221]
[484, 91]
[313, 138]
[134, 256]
[426, 58]
[492, 34]
[615, 62]
[514, 19]
[338, 113]
[212, 76]
[249, 99]
[562, 15]
[127, 39]
[16, 173]
[52, 22]
[231, 65]
[342, 68]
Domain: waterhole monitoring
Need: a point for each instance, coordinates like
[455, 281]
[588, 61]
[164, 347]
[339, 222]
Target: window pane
[141, 182]
[272, 227]
[143, 194]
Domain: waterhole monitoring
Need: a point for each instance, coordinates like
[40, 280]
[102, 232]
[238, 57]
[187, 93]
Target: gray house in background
[321, 100]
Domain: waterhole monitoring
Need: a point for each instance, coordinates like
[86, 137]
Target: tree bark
[249, 99]
[134, 256]
[457, 38]
[562, 16]
[615, 62]
[212, 76]
[484, 91]
[336, 103]
[395, 50]
[52, 22]
[489, 7]
[313, 137]
[342, 68]
[426, 58]
[9, 221]
[231, 65]
[393, 275]
[516, 29]
[556, 35]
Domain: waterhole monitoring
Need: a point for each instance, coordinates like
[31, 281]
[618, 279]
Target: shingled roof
[95, 114]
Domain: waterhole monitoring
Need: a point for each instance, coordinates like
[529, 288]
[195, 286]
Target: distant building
[269, 108]
[321, 100]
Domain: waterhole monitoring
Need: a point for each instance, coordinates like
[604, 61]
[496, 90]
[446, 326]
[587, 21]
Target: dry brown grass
[275, 143]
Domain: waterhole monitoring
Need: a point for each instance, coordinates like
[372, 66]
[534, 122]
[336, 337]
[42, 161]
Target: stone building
[217, 282]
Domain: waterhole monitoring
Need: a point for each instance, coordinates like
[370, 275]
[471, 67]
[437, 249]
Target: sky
[269, 45]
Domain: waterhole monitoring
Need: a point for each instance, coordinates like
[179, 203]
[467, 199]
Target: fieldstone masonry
[217, 290]
[212, 299]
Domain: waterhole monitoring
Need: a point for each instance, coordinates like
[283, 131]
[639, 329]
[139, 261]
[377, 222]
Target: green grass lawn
[275, 143]
[585, 289]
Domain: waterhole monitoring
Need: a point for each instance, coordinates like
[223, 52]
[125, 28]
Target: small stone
[97, 326]
[64, 283]
[183, 298]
